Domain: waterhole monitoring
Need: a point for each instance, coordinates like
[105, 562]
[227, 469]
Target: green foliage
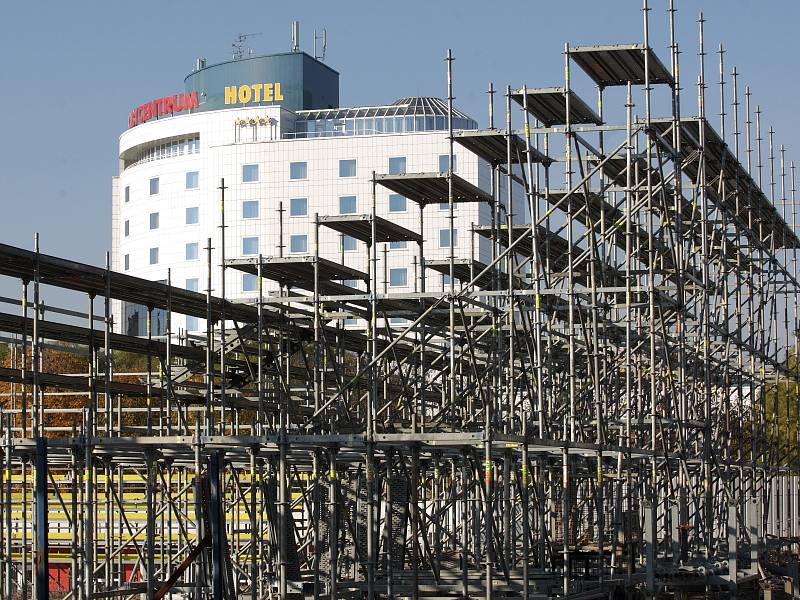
[780, 407]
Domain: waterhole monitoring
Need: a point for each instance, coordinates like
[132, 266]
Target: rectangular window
[446, 206]
[298, 170]
[249, 282]
[445, 280]
[249, 245]
[397, 203]
[192, 251]
[192, 285]
[153, 186]
[153, 220]
[347, 168]
[398, 245]
[397, 165]
[398, 277]
[298, 243]
[153, 256]
[250, 209]
[192, 324]
[298, 207]
[192, 215]
[127, 228]
[127, 261]
[127, 193]
[347, 205]
[249, 173]
[192, 180]
[444, 238]
[348, 243]
[444, 161]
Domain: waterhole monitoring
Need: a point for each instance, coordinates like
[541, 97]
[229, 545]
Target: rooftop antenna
[295, 36]
[324, 39]
[239, 45]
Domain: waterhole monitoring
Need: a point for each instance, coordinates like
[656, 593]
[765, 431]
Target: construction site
[608, 408]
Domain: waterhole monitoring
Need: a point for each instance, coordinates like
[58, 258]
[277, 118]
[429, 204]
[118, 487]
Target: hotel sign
[167, 105]
[255, 92]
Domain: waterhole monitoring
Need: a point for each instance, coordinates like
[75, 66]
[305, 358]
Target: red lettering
[191, 101]
[163, 106]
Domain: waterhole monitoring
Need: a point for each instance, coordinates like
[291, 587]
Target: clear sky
[73, 70]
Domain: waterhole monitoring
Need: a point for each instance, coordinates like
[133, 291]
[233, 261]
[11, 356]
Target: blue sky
[73, 70]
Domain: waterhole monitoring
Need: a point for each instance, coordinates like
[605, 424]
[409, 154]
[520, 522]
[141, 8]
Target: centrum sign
[162, 106]
[255, 92]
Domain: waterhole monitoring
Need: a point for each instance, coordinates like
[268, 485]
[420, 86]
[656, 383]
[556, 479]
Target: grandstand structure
[607, 408]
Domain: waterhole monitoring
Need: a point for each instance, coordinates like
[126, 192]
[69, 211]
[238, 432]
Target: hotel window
[153, 186]
[249, 282]
[298, 170]
[347, 168]
[192, 285]
[153, 256]
[127, 261]
[446, 205]
[397, 203]
[127, 193]
[298, 243]
[154, 220]
[127, 228]
[445, 281]
[397, 165]
[397, 245]
[298, 207]
[192, 323]
[250, 209]
[192, 180]
[444, 238]
[192, 215]
[249, 245]
[398, 277]
[348, 243]
[249, 173]
[347, 205]
[444, 161]
[192, 251]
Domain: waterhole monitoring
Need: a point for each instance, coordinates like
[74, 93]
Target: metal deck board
[550, 107]
[618, 64]
[432, 188]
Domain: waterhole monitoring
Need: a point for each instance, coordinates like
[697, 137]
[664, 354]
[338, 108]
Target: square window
[249, 173]
[127, 193]
[298, 170]
[298, 207]
[127, 228]
[444, 238]
[192, 215]
[153, 220]
[347, 168]
[398, 245]
[250, 209]
[347, 205]
[397, 203]
[398, 277]
[192, 180]
[444, 162]
[192, 285]
[298, 243]
[153, 186]
[249, 282]
[348, 243]
[192, 251]
[397, 165]
[127, 261]
[249, 245]
[192, 323]
[153, 256]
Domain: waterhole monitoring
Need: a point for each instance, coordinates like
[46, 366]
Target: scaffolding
[608, 406]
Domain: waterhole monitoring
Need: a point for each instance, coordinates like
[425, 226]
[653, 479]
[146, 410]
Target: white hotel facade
[282, 166]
